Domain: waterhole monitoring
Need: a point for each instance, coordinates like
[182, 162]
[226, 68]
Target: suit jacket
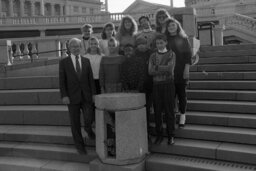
[77, 89]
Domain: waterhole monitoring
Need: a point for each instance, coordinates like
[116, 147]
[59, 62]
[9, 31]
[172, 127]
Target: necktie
[78, 68]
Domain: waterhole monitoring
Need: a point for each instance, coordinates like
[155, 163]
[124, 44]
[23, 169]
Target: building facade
[30, 8]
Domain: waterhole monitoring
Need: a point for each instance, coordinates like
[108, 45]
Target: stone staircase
[220, 133]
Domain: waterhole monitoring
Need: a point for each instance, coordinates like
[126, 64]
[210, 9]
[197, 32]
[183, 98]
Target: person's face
[86, 32]
[161, 44]
[109, 31]
[112, 47]
[142, 47]
[172, 28]
[161, 18]
[144, 23]
[75, 47]
[128, 52]
[94, 45]
[127, 24]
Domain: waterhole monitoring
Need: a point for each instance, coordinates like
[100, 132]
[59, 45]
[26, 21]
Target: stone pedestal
[218, 33]
[6, 52]
[128, 120]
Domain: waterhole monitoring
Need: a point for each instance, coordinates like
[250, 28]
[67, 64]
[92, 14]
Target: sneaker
[182, 120]
[170, 141]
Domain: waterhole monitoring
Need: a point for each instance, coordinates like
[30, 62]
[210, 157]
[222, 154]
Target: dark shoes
[158, 140]
[170, 141]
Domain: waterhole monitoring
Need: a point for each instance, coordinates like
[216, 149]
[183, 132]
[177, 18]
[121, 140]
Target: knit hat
[140, 40]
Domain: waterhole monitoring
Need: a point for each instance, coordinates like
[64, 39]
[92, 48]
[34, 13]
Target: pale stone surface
[96, 165]
[5, 45]
[120, 101]
[100, 134]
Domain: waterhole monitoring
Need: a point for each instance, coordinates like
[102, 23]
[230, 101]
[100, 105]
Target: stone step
[34, 115]
[231, 53]
[45, 151]
[223, 85]
[227, 47]
[222, 75]
[20, 83]
[40, 134]
[182, 163]
[227, 60]
[30, 97]
[224, 67]
[221, 95]
[222, 106]
[32, 164]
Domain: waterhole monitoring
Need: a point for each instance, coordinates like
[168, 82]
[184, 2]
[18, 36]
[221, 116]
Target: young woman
[94, 55]
[161, 16]
[126, 32]
[107, 32]
[178, 42]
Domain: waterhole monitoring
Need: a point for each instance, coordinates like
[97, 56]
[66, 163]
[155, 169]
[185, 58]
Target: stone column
[42, 7]
[218, 35]
[52, 10]
[22, 8]
[11, 8]
[33, 8]
[61, 10]
[0, 8]
[189, 21]
[66, 10]
[5, 49]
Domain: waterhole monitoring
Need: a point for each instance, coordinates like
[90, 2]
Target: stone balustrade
[240, 22]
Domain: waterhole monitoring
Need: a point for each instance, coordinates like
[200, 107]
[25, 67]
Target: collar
[162, 51]
[147, 30]
[73, 56]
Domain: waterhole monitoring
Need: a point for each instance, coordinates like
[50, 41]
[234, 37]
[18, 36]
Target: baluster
[26, 51]
[18, 52]
[34, 51]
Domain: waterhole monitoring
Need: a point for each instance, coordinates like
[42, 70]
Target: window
[84, 10]
[91, 10]
[76, 9]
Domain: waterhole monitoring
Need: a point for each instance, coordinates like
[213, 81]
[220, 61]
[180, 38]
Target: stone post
[121, 132]
[218, 34]
[6, 55]
[11, 8]
[61, 10]
[42, 7]
[0, 8]
[52, 10]
[22, 8]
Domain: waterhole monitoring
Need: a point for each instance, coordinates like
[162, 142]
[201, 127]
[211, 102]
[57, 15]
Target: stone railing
[240, 22]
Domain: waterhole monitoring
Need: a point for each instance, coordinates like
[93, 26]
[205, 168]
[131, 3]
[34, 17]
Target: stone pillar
[42, 7]
[189, 21]
[42, 33]
[11, 8]
[33, 8]
[218, 35]
[6, 55]
[121, 132]
[0, 8]
[22, 8]
[52, 10]
[61, 10]
[66, 10]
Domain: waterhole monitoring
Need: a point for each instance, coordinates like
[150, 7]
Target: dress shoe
[182, 120]
[170, 141]
[91, 134]
[158, 140]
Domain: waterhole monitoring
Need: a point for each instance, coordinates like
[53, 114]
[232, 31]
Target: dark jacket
[77, 89]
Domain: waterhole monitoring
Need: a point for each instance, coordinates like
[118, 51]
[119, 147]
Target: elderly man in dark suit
[77, 91]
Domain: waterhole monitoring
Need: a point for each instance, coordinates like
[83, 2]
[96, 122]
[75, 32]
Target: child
[94, 55]
[107, 32]
[143, 53]
[178, 42]
[86, 31]
[161, 66]
[110, 69]
[132, 71]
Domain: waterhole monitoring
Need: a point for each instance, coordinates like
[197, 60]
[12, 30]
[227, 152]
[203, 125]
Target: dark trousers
[180, 92]
[163, 101]
[74, 114]
[148, 107]
[97, 86]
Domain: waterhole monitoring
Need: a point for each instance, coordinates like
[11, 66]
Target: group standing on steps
[154, 62]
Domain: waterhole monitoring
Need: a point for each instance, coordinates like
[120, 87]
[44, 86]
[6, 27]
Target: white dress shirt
[73, 57]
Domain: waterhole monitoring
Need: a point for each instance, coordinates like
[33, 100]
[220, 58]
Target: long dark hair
[160, 11]
[180, 30]
[122, 31]
[103, 33]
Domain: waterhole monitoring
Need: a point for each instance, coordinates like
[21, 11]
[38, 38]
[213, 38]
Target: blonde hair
[89, 43]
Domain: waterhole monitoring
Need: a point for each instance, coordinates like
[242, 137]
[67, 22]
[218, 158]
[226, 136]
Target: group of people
[154, 62]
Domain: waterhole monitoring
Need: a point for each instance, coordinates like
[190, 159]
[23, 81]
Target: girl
[178, 42]
[107, 32]
[161, 16]
[126, 32]
[110, 69]
[94, 55]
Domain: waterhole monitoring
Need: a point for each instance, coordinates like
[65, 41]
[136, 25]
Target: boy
[161, 67]
[86, 31]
